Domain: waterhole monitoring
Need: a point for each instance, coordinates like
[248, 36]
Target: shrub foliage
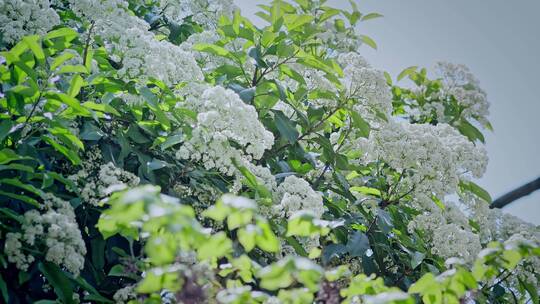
[171, 151]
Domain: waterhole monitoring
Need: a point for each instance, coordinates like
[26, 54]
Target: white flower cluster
[526, 270]
[19, 18]
[458, 81]
[292, 197]
[204, 12]
[56, 230]
[431, 158]
[97, 182]
[337, 40]
[295, 194]
[207, 61]
[366, 85]
[316, 80]
[447, 230]
[224, 119]
[134, 46]
[450, 241]
[495, 225]
[125, 295]
[144, 56]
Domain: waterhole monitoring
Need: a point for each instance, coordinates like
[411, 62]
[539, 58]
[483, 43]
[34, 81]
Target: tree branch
[517, 193]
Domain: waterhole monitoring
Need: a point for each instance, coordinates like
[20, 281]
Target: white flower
[432, 158]
[340, 41]
[96, 181]
[366, 85]
[458, 81]
[131, 43]
[224, 118]
[55, 230]
[124, 295]
[19, 18]
[450, 240]
[295, 194]
[204, 12]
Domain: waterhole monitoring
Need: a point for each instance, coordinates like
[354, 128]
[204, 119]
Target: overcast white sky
[500, 41]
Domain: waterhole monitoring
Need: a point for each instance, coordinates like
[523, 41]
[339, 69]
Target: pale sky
[500, 41]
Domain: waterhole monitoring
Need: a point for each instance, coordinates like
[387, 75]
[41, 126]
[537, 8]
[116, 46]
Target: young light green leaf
[370, 16]
[367, 40]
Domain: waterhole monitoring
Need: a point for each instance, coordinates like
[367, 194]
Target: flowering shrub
[170, 151]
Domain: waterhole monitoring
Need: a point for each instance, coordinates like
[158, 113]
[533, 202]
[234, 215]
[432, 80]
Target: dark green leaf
[5, 127]
[58, 280]
[3, 290]
[285, 127]
[358, 244]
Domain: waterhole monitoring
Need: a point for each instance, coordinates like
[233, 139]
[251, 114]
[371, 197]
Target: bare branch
[517, 193]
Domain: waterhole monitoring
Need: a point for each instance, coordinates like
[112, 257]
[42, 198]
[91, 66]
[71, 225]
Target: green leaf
[18, 167]
[23, 90]
[213, 49]
[8, 155]
[267, 240]
[58, 60]
[285, 127]
[67, 137]
[217, 246]
[438, 202]
[426, 283]
[275, 276]
[153, 102]
[247, 95]
[70, 154]
[470, 131]
[5, 127]
[293, 21]
[407, 71]
[360, 124]
[358, 244]
[285, 69]
[22, 198]
[68, 100]
[366, 190]
[101, 107]
[256, 54]
[4, 290]
[531, 290]
[476, 190]
[75, 86]
[246, 237]
[371, 16]
[306, 224]
[267, 38]
[90, 132]
[333, 251]
[156, 164]
[416, 259]
[59, 281]
[15, 182]
[67, 33]
[367, 40]
[236, 21]
[171, 141]
[117, 271]
[34, 45]
[73, 69]
[251, 181]
[94, 294]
